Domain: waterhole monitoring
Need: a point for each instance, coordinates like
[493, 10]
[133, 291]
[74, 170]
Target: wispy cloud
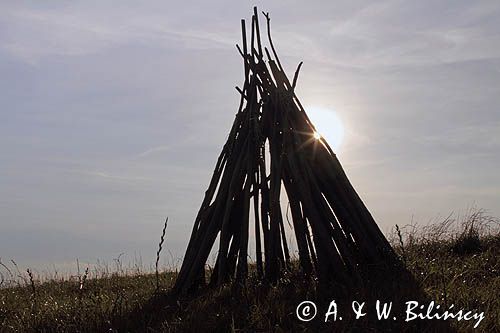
[406, 34]
[154, 150]
[110, 176]
[33, 34]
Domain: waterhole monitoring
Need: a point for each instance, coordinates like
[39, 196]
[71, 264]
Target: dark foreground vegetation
[455, 261]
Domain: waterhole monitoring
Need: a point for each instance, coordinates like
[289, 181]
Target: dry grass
[455, 261]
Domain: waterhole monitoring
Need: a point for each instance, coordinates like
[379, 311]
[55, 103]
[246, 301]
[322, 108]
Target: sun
[328, 125]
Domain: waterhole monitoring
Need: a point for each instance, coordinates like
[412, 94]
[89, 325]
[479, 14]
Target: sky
[113, 113]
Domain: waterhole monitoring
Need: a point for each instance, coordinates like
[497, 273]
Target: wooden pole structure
[337, 238]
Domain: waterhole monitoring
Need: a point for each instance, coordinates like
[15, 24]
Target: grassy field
[455, 261]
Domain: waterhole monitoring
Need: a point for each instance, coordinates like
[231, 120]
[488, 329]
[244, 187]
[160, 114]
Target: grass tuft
[455, 261]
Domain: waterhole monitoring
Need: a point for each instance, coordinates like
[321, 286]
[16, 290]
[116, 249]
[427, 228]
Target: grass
[455, 261]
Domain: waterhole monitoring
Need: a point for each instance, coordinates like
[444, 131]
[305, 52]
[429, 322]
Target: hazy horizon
[113, 114]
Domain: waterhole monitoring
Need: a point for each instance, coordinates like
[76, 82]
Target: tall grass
[455, 260]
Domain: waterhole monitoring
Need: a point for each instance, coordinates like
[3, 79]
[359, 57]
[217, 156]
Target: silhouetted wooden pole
[337, 238]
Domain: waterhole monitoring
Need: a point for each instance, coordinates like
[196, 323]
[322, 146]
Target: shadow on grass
[263, 308]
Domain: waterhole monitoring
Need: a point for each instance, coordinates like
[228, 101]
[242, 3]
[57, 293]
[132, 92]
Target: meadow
[455, 260]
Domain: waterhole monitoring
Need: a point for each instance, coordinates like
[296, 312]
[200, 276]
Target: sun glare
[328, 125]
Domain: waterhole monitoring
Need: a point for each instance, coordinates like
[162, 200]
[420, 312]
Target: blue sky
[112, 113]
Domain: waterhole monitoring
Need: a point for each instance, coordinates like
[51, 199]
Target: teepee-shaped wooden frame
[337, 238]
